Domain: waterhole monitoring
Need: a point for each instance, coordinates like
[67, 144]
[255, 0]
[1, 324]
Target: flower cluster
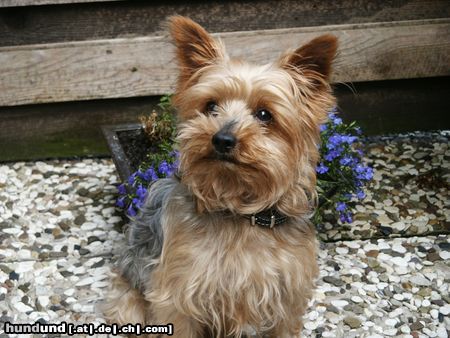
[160, 163]
[133, 193]
[341, 175]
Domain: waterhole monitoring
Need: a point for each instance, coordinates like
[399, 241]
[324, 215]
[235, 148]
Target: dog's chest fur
[236, 274]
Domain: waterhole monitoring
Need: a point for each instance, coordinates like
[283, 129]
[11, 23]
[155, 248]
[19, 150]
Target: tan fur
[226, 275]
[124, 304]
[217, 274]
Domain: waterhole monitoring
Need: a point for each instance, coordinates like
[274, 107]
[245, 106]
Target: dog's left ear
[314, 59]
[195, 46]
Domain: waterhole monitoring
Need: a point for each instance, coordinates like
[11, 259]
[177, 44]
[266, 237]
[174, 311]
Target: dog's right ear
[195, 46]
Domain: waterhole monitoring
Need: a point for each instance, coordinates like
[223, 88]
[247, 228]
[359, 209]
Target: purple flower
[330, 156]
[121, 202]
[360, 169]
[360, 194]
[163, 168]
[131, 211]
[332, 115]
[122, 189]
[150, 174]
[140, 174]
[132, 179]
[167, 169]
[321, 168]
[348, 139]
[334, 141]
[368, 174]
[137, 202]
[337, 121]
[341, 206]
[346, 160]
[346, 217]
[363, 173]
[323, 128]
[141, 192]
[175, 154]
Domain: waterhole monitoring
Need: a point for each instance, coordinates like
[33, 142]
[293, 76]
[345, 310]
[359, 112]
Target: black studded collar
[268, 218]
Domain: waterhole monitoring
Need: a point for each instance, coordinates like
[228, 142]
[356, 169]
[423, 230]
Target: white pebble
[357, 299]
[370, 246]
[310, 326]
[24, 266]
[390, 332]
[399, 261]
[434, 313]
[390, 322]
[88, 226]
[405, 329]
[399, 226]
[398, 248]
[397, 312]
[445, 310]
[313, 315]
[370, 287]
[444, 255]
[44, 300]
[21, 307]
[85, 281]
[420, 280]
[341, 250]
[352, 244]
[339, 303]
[399, 297]
[426, 303]
[441, 332]
[12, 231]
[382, 245]
[428, 332]
[69, 292]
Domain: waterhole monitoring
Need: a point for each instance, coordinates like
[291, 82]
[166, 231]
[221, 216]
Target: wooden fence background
[67, 66]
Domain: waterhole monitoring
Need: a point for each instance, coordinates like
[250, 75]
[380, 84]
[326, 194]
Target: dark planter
[128, 145]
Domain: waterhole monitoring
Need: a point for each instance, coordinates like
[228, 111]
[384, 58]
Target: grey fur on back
[145, 235]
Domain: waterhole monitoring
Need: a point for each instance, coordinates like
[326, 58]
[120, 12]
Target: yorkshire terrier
[226, 248]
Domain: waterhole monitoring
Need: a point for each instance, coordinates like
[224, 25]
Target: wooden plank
[64, 129]
[18, 3]
[386, 107]
[144, 66]
[93, 21]
[72, 128]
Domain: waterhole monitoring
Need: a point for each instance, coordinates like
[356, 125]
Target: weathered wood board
[16, 3]
[64, 129]
[72, 128]
[120, 19]
[145, 66]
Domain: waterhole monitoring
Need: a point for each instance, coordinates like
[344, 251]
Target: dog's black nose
[224, 142]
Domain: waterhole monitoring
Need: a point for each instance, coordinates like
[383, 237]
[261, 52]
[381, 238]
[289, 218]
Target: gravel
[59, 233]
[409, 194]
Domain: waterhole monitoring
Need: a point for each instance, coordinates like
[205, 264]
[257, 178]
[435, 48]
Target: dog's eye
[211, 108]
[263, 115]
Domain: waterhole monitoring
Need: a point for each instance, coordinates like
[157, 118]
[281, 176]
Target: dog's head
[249, 133]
